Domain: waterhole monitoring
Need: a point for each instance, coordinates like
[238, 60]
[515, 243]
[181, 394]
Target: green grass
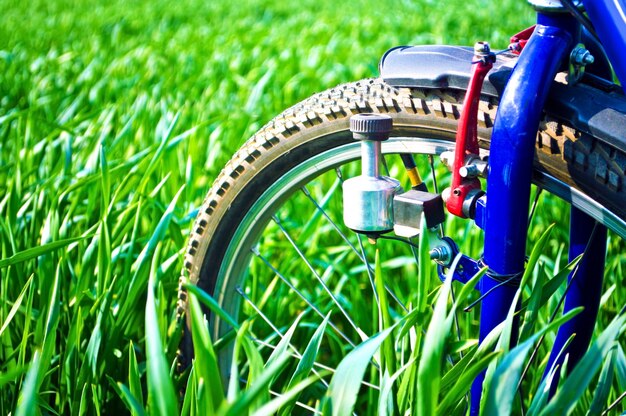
[115, 117]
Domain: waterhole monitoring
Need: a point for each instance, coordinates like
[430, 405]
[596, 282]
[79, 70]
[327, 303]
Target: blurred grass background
[109, 109]
[227, 68]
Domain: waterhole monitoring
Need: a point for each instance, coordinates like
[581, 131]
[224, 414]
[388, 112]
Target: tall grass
[114, 119]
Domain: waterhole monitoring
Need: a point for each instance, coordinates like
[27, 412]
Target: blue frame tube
[585, 289]
[511, 162]
[609, 17]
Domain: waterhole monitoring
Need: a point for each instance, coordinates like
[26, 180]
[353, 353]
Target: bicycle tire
[320, 125]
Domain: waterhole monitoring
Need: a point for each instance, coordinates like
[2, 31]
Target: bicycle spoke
[433, 173]
[319, 278]
[369, 272]
[332, 223]
[534, 206]
[316, 364]
[613, 405]
[457, 327]
[296, 353]
[339, 174]
[414, 250]
[297, 292]
[431, 162]
[299, 404]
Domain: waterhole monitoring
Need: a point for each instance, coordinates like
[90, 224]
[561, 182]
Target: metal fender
[594, 106]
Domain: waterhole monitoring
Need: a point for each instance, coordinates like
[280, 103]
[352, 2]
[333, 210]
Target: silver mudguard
[593, 106]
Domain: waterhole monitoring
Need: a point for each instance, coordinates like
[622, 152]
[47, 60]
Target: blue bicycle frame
[505, 212]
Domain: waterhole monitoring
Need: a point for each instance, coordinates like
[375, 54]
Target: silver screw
[441, 254]
[581, 56]
[469, 171]
[482, 48]
[588, 58]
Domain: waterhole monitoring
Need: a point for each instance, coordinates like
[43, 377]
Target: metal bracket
[578, 59]
[465, 188]
[519, 40]
[443, 252]
[466, 268]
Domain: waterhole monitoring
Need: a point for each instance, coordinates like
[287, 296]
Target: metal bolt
[482, 48]
[581, 56]
[441, 254]
[469, 171]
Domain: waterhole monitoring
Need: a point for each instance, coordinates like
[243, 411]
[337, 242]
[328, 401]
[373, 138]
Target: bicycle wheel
[269, 241]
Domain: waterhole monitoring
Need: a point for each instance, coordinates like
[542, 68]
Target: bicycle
[547, 113]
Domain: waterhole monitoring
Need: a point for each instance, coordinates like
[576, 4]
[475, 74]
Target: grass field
[115, 117]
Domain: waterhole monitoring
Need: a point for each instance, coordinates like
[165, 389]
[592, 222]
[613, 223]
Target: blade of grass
[385, 401]
[305, 365]
[127, 397]
[11, 375]
[451, 377]
[234, 382]
[620, 368]
[464, 383]
[134, 379]
[538, 298]
[503, 346]
[543, 392]
[257, 388]
[256, 366]
[429, 369]
[35, 252]
[552, 285]
[503, 386]
[566, 398]
[136, 284]
[161, 397]
[406, 388]
[205, 365]
[283, 346]
[424, 270]
[51, 325]
[83, 405]
[211, 303]
[388, 361]
[288, 396]
[29, 394]
[16, 305]
[158, 154]
[467, 361]
[190, 398]
[603, 389]
[346, 383]
[89, 367]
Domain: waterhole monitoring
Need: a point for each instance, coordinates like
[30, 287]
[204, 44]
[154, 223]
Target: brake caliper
[461, 197]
